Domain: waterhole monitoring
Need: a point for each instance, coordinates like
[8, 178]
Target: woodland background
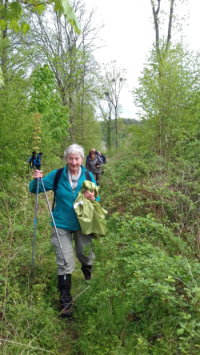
[144, 297]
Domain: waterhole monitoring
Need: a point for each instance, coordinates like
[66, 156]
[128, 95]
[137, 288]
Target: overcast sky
[128, 34]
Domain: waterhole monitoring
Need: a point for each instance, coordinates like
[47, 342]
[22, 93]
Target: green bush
[139, 298]
[144, 298]
[145, 294]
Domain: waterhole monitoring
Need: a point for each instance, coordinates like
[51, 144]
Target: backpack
[100, 158]
[57, 178]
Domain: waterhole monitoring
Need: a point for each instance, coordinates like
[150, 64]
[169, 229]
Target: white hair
[74, 149]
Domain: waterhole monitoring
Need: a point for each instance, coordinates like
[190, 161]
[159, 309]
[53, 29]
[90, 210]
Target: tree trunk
[116, 128]
[161, 53]
[169, 34]
[156, 24]
[4, 36]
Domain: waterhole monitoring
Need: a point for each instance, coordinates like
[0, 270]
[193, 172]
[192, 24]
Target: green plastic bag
[90, 214]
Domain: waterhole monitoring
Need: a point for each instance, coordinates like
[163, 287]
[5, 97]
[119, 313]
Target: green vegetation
[12, 13]
[144, 297]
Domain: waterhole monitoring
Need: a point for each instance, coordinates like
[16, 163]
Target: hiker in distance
[67, 228]
[94, 163]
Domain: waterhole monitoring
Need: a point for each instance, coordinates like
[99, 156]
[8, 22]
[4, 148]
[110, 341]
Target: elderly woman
[67, 225]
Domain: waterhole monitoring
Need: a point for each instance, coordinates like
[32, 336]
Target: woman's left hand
[89, 195]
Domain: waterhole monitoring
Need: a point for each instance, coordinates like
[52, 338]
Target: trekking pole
[53, 220]
[35, 229]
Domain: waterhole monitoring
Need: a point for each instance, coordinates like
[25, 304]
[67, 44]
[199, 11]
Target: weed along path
[143, 297]
[144, 294]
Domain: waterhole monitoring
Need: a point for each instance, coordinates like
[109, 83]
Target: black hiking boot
[66, 310]
[86, 269]
[64, 286]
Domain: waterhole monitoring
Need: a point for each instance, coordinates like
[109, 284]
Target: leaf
[25, 27]
[16, 9]
[39, 8]
[180, 331]
[14, 24]
[70, 15]
[3, 24]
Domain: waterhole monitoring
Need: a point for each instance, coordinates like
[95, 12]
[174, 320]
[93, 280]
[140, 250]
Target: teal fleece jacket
[63, 213]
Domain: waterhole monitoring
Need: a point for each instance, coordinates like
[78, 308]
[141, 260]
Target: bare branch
[156, 23]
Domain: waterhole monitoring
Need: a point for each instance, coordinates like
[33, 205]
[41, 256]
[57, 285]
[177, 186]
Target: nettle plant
[143, 291]
[145, 294]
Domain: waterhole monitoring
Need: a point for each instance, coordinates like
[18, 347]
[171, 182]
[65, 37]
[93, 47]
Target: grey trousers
[83, 248]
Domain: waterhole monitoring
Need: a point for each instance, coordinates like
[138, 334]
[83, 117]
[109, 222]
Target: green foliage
[15, 126]
[1, 78]
[24, 129]
[141, 293]
[64, 7]
[145, 295]
[29, 312]
[125, 128]
[80, 83]
[168, 98]
[54, 116]
[12, 13]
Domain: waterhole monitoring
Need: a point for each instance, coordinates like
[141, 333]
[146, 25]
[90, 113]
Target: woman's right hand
[89, 195]
[37, 174]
